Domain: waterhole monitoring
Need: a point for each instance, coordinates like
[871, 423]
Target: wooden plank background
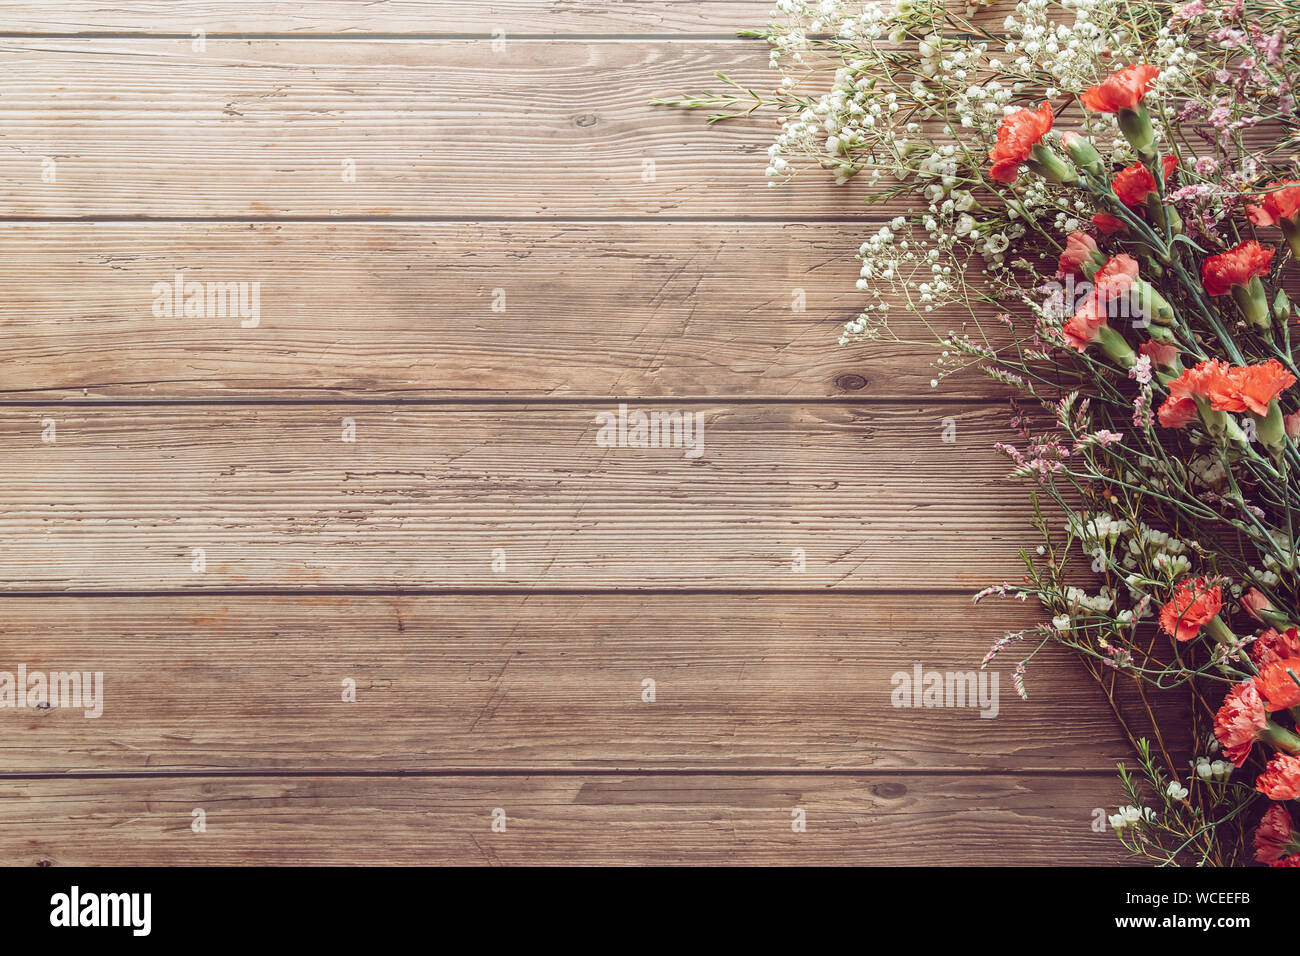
[642, 260]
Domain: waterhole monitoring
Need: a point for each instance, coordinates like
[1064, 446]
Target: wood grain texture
[643, 257]
[872, 494]
[469, 17]
[732, 820]
[406, 310]
[435, 128]
[543, 682]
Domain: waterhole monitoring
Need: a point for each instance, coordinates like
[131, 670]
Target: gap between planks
[1047, 773]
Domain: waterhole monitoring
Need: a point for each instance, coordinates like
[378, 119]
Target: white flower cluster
[1131, 816]
[1213, 770]
[1157, 551]
[915, 99]
[1095, 529]
[1101, 603]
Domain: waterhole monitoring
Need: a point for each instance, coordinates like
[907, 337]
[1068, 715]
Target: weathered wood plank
[431, 128]
[470, 17]
[422, 310]
[867, 819]
[540, 682]
[872, 495]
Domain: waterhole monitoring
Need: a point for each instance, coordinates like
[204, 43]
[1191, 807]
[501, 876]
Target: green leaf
[1181, 238]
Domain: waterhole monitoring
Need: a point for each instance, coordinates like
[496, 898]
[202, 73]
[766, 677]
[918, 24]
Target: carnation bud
[1161, 334]
[1271, 430]
[1254, 603]
[1116, 347]
[1252, 299]
[1292, 423]
[1084, 154]
[1291, 231]
[1135, 124]
[1150, 303]
[1281, 306]
[1048, 164]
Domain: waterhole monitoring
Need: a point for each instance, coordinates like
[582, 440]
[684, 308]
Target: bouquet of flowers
[1109, 197]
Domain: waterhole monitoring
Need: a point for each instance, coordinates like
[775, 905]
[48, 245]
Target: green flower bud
[1291, 230]
[1046, 162]
[1116, 347]
[1136, 126]
[1252, 299]
[1084, 154]
[1271, 430]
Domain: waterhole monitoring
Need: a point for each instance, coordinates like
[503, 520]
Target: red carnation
[1253, 601]
[1276, 843]
[1274, 645]
[1079, 248]
[1281, 778]
[1160, 353]
[1193, 605]
[1279, 687]
[1108, 224]
[1240, 721]
[1250, 388]
[1176, 412]
[1237, 266]
[1019, 133]
[1282, 203]
[1206, 380]
[1123, 91]
[1115, 277]
[1085, 325]
[1133, 184]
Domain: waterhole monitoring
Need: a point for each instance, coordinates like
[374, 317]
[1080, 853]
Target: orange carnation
[1240, 721]
[1123, 91]
[1207, 380]
[1193, 605]
[1237, 266]
[1281, 778]
[1282, 203]
[1252, 387]
[1019, 133]
[1277, 685]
